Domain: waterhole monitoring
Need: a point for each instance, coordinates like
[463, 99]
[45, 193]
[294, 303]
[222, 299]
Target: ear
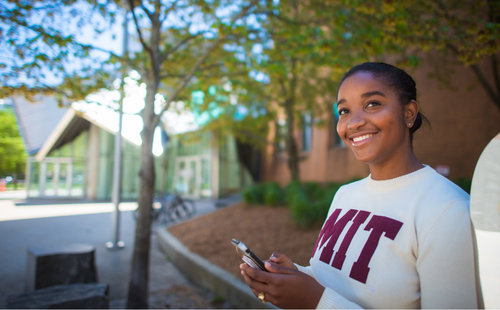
[410, 112]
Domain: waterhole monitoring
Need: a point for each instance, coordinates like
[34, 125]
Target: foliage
[254, 194]
[12, 152]
[273, 194]
[40, 52]
[269, 193]
[464, 183]
[309, 202]
[299, 55]
[468, 31]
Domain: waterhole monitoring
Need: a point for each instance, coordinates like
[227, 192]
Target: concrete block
[207, 275]
[60, 265]
[74, 296]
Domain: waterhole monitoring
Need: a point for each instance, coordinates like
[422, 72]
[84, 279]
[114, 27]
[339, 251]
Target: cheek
[341, 128]
[395, 126]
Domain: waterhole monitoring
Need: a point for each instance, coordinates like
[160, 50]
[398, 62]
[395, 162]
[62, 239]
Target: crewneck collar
[402, 181]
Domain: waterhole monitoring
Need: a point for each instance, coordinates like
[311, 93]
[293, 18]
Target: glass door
[192, 177]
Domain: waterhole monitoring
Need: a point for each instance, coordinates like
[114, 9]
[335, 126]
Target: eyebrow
[365, 95]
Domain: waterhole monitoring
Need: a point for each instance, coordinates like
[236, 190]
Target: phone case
[248, 256]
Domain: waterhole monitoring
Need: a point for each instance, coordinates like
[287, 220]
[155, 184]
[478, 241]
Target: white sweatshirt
[400, 243]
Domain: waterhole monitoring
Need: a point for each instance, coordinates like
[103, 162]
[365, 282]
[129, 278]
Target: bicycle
[171, 208]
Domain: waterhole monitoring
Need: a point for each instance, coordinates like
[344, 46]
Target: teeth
[361, 138]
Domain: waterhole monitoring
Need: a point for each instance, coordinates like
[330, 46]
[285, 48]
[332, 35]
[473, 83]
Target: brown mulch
[263, 229]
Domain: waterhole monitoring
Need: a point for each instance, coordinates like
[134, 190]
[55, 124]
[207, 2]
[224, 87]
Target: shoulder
[441, 205]
[353, 187]
[441, 194]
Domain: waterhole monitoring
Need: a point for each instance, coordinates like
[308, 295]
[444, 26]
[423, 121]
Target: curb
[207, 275]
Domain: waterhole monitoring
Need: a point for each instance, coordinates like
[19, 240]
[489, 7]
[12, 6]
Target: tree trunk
[291, 145]
[139, 278]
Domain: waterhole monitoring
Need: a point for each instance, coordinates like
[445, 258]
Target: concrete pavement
[26, 225]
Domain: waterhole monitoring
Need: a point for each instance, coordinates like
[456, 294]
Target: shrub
[254, 194]
[269, 193]
[273, 194]
[464, 183]
[309, 202]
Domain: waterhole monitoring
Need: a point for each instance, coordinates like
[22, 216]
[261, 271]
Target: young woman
[400, 238]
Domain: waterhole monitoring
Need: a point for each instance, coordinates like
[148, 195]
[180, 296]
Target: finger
[251, 272]
[275, 268]
[254, 285]
[278, 258]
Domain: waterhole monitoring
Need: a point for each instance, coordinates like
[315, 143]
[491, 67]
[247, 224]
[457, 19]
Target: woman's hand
[282, 260]
[283, 287]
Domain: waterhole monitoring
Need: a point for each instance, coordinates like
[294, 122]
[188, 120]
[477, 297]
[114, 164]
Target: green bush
[269, 193]
[254, 194]
[309, 202]
[464, 183]
[273, 194]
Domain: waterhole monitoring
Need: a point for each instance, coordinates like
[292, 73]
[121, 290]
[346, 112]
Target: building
[463, 121]
[76, 159]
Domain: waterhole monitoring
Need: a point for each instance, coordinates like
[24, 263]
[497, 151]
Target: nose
[356, 121]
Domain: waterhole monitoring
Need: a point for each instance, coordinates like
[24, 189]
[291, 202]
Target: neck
[393, 169]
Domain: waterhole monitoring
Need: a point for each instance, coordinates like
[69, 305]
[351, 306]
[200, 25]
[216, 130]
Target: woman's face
[372, 121]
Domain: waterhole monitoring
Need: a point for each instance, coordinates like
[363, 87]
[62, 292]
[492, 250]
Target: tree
[306, 47]
[12, 152]
[179, 42]
[469, 31]
[40, 53]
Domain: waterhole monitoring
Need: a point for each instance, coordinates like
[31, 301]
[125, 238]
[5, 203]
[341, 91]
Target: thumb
[275, 268]
[278, 258]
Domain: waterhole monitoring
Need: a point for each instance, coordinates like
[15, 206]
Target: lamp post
[117, 167]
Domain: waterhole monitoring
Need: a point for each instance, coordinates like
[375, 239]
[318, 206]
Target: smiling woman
[378, 116]
[400, 238]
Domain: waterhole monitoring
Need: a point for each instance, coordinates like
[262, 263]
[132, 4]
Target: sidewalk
[28, 225]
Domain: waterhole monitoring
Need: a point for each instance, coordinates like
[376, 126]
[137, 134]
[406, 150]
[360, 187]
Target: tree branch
[198, 63]
[496, 76]
[148, 13]
[139, 32]
[165, 55]
[485, 84]
[186, 80]
[481, 78]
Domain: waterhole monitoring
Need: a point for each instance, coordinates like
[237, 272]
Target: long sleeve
[446, 262]
[330, 299]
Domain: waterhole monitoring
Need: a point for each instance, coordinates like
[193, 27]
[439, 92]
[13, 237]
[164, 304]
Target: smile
[360, 140]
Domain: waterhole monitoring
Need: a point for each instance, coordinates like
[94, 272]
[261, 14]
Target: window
[306, 132]
[281, 135]
[334, 139]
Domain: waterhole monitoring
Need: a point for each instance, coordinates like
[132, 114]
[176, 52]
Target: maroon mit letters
[333, 228]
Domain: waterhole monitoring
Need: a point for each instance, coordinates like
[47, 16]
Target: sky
[97, 105]
[101, 107]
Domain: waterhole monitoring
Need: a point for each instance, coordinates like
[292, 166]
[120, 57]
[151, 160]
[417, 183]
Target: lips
[361, 139]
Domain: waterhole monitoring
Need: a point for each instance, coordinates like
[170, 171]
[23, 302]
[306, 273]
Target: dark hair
[395, 78]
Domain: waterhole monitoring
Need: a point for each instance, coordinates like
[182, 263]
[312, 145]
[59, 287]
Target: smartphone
[248, 256]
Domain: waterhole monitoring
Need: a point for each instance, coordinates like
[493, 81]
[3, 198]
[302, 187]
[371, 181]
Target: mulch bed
[263, 229]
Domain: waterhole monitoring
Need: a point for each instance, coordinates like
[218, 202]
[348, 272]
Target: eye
[372, 104]
[343, 111]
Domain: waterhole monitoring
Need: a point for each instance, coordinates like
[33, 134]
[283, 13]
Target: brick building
[463, 120]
